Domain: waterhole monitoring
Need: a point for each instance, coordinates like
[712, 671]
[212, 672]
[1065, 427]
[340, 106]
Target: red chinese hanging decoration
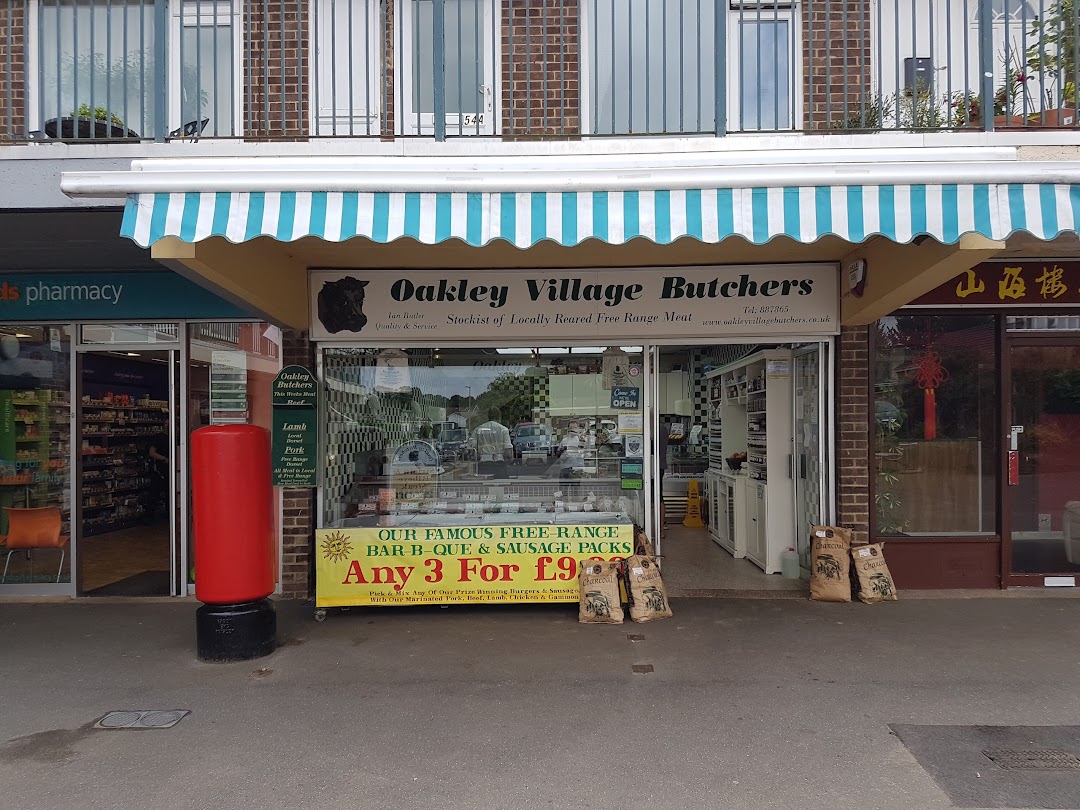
[928, 373]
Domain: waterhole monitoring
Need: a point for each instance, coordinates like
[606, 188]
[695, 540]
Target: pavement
[749, 704]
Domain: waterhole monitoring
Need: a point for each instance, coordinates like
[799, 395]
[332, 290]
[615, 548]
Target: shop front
[976, 400]
[103, 376]
[483, 432]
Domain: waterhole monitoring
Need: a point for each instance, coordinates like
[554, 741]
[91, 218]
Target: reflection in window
[100, 56]
[449, 437]
[765, 74]
[935, 418]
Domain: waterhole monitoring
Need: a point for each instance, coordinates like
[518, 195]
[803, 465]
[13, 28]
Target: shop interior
[431, 437]
[35, 454]
[125, 453]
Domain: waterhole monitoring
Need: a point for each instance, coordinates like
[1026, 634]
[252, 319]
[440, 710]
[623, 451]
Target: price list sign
[295, 428]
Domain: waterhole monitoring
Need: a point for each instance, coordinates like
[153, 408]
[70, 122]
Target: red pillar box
[232, 519]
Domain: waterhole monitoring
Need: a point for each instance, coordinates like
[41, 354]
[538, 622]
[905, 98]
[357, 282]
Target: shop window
[435, 437]
[231, 372]
[935, 417]
[35, 454]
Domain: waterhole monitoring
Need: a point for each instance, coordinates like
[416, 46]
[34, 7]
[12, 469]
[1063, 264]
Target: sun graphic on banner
[336, 547]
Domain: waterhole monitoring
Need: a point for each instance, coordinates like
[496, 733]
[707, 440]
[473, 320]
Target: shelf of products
[34, 451]
[755, 404]
[118, 482]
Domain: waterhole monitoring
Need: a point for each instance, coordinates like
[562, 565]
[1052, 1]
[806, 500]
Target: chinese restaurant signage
[998, 284]
[687, 302]
[294, 438]
[461, 564]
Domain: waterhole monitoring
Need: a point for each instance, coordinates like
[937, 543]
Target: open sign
[624, 398]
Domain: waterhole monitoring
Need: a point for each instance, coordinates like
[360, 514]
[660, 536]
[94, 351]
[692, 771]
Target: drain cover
[1039, 759]
[145, 718]
[641, 669]
[635, 637]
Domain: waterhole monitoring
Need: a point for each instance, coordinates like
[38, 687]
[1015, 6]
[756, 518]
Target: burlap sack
[600, 602]
[830, 564]
[645, 593]
[875, 582]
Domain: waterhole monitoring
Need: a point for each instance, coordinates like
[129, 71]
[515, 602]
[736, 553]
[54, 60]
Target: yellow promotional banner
[434, 565]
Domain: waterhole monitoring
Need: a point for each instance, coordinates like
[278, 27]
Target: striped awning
[805, 214]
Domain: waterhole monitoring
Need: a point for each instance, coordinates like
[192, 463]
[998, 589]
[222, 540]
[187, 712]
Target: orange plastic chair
[30, 529]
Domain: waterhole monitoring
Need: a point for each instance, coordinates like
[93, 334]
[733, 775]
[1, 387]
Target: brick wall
[298, 512]
[13, 74]
[540, 80]
[852, 431]
[276, 97]
[836, 45]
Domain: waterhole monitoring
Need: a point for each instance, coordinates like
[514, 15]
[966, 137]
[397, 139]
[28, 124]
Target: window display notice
[294, 439]
[228, 388]
[470, 564]
[603, 305]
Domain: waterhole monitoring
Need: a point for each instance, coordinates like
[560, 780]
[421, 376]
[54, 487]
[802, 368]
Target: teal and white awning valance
[803, 213]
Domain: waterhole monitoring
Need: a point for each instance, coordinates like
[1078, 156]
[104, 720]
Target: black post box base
[236, 632]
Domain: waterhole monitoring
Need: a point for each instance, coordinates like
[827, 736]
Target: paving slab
[748, 704]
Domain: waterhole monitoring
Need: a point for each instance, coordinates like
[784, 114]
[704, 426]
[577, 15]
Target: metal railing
[293, 69]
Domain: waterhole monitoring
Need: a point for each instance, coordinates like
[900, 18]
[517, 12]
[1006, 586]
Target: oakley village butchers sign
[684, 302]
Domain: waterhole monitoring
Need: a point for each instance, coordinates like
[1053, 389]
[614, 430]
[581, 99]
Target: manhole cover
[144, 718]
[641, 669]
[1044, 759]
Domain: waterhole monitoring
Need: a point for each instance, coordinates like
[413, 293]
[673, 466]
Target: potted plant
[1053, 58]
[85, 123]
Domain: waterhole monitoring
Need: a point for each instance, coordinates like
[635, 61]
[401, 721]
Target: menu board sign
[295, 428]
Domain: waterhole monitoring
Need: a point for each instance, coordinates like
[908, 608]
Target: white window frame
[327, 116]
[770, 12]
[456, 123]
[204, 17]
[33, 53]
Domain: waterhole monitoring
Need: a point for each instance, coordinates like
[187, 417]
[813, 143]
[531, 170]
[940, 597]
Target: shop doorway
[1042, 480]
[741, 461]
[125, 497]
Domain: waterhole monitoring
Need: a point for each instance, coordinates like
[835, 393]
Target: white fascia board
[551, 173]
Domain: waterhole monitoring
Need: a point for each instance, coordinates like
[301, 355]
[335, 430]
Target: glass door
[126, 516]
[466, 81]
[1042, 465]
[811, 462]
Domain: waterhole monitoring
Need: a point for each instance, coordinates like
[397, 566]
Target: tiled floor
[104, 558]
[113, 556]
[694, 564]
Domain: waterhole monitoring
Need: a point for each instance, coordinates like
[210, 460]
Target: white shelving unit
[753, 510]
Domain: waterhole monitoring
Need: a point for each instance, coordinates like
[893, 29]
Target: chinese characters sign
[997, 284]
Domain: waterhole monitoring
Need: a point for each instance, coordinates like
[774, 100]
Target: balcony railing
[76, 70]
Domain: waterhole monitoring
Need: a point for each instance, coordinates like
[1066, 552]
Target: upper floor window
[97, 68]
[1012, 9]
[651, 66]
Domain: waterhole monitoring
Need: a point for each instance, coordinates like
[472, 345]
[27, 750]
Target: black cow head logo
[341, 305]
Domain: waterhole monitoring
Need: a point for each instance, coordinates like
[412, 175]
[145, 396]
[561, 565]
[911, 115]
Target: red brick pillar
[540, 70]
[298, 504]
[277, 69]
[836, 47]
[853, 431]
[13, 70]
